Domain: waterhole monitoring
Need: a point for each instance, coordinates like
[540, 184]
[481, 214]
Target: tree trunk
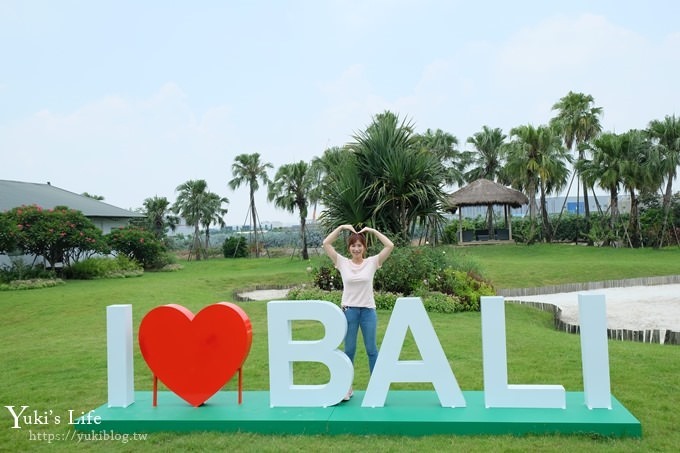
[633, 228]
[586, 210]
[614, 210]
[303, 236]
[253, 215]
[547, 228]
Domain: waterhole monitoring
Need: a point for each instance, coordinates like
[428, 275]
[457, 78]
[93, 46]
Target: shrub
[120, 266]
[444, 281]
[34, 283]
[307, 293]
[60, 235]
[327, 277]
[441, 303]
[467, 287]
[235, 247]
[409, 267]
[138, 244]
[19, 270]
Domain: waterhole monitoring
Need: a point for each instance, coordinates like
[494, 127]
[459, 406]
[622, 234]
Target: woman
[358, 302]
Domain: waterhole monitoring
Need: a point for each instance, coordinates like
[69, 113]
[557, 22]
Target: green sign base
[412, 413]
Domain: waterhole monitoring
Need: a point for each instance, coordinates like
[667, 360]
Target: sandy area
[634, 307]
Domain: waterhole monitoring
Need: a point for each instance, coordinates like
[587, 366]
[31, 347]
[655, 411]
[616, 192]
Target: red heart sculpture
[194, 356]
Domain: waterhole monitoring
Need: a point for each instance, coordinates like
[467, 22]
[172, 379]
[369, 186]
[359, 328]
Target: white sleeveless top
[357, 281]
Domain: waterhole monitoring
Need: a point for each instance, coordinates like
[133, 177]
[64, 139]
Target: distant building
[106, 217]
[555, 205]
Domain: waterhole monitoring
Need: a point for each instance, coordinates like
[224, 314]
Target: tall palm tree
[190, 205]
[247, 169]
[579, 123]
[213, 212]
[158, 216]
[290, 190]
[665, 136]
[487, 160]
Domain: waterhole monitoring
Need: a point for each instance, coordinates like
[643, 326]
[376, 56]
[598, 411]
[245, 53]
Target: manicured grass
[522, 266]
[53, 352]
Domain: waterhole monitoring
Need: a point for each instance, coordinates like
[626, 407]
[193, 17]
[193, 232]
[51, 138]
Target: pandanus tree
[402, 183]
[383, 179]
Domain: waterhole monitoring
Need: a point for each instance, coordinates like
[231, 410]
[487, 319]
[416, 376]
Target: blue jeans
[367, 320]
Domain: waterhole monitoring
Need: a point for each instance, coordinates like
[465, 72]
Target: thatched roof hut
[484, 192]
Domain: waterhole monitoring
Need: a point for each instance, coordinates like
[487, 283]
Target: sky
[127, 99]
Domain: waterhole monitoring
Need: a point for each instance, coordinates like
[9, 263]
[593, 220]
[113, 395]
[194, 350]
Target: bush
[307, 293]
[467, 287]
[19, 270]
[138, 244]
[34, 283]
[408, 268]
[327, 277]
[443, 280]
[120, 266]
[235, 247]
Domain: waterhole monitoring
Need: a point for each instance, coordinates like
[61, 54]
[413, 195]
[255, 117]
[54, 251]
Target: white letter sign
[409, 312]
[284, 351]
[497, 392]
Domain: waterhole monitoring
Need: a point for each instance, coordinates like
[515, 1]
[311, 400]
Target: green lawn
[53, 351]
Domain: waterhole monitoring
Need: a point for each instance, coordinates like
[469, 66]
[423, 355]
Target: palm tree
[640, 173]
[579, 123]
[606, 169]
[665, 136]
[247, 169]
[487, 160]
[552, 171]
[443, 146]
[190, 205]
[158, 216]
[290, 190]
[537, 162]
[213, 213]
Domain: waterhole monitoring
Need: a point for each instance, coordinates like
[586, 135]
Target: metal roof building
[15, 193]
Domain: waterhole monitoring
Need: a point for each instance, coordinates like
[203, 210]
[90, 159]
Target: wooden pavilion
[484, 192]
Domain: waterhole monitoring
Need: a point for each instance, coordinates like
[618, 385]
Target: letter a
[434, 367]
[284, 351]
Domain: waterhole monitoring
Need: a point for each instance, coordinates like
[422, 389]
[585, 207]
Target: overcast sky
[129, 99]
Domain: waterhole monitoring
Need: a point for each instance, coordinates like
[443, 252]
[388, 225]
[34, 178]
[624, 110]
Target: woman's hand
[350, 228]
